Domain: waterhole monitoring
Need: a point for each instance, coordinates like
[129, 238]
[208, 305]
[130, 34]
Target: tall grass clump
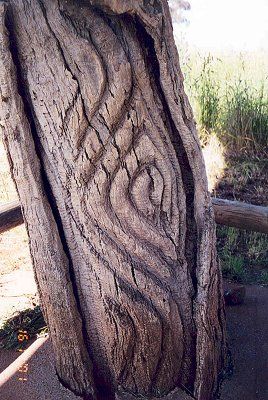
[207, 98]
[244, 117]
[228, 98]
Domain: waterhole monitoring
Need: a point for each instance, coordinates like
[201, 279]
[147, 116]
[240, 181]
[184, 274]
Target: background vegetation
[229, 96]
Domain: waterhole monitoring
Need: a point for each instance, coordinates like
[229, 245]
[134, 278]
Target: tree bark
[105, 156]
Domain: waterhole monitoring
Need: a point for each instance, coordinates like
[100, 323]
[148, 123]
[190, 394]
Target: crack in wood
[120, 174]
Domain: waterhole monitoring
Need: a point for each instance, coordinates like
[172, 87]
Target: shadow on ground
[248, 339]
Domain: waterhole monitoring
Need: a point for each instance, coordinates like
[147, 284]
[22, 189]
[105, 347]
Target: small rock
[234, 296]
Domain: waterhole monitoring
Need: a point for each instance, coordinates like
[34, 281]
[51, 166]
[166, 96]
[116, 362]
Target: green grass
[243, 255]
[30, 321]
[228, 98]
[245, 114]
[244, 178]
[206, 92]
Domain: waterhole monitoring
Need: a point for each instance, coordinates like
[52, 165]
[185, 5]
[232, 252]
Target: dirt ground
[248, 340]
[17, 290]
[247, 326]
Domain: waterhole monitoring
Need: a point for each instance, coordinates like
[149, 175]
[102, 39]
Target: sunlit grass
[243, 255]
[229, 95]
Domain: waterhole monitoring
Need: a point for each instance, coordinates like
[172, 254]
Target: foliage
[243, 255]
[245, 115]
[30, 320]
[229, 98]
[206, 92]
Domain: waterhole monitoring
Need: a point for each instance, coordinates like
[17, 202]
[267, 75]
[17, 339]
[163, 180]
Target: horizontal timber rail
[10, 216]
[241, 215]
[230, 213]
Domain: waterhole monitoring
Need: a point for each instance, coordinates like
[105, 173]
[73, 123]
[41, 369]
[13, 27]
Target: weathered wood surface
[241, 215]
[177, 394]
[104, 151]
[10, 216]
[230, 213]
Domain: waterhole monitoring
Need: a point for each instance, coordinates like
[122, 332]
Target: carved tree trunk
[104, 152]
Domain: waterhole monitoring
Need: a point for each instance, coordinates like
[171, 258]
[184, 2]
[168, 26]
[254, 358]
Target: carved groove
[117, 172]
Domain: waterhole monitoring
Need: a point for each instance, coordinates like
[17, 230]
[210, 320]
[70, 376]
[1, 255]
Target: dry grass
[229, 95]
[245, 179]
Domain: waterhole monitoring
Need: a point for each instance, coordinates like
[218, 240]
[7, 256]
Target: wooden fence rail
[241, 215]
[230, 213]
[10, 216]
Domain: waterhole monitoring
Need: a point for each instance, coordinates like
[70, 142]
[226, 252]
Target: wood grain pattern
[110, 175]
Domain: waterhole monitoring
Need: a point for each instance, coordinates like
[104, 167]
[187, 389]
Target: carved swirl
[104, 127]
